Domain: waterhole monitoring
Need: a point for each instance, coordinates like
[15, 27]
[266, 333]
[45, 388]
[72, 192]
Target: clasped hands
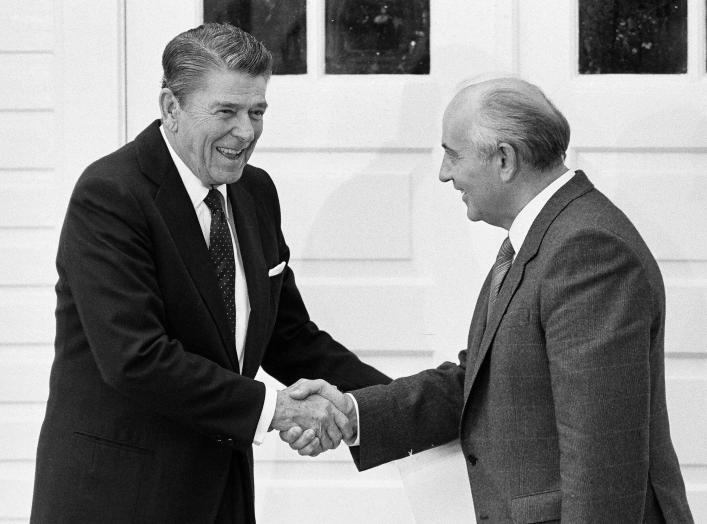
[313, 416]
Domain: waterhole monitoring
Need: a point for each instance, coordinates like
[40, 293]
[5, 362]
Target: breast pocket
[545, 506]
[516, 318]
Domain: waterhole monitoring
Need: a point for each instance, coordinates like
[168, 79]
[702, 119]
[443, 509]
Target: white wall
[28, 178]
[47, 101]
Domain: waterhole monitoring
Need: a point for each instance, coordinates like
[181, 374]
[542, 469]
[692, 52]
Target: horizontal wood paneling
[28, 81]
[21, 424]
[27, 315]
[688, 424]
[28, 199]
[27, 257]
[27, 25]
[28, 140]
[685, 326]
[661, 192]
[16, 483]
[695, 477]
[25, 386]
[285, 497]
[25, 372]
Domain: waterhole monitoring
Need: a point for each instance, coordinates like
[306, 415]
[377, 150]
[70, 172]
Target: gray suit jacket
[559, 401]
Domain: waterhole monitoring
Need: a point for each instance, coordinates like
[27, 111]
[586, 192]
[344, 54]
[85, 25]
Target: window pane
[280, 24]
[632, 36]
[377, 37]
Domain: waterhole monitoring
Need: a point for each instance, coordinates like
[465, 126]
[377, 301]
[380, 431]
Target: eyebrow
[262, 105]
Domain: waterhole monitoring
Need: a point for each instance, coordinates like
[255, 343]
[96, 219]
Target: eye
[226, 112]
[257, 114]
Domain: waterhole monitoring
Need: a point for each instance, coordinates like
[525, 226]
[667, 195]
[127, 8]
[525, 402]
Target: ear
[509, 164]
[169, 108]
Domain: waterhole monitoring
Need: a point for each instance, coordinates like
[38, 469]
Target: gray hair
[519, 113]
[190, 55]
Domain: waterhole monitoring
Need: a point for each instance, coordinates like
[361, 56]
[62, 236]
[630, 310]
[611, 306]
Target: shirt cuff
[357, 441]
[266, 415]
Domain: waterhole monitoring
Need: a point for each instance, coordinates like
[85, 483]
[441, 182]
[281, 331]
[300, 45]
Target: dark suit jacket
[560, 401]
[147, 408]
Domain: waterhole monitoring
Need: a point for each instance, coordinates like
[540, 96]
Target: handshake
[313, 416]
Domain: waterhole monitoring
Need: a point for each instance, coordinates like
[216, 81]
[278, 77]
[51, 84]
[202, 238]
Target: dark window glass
[280, 24]
[377, 37]
[632, 36]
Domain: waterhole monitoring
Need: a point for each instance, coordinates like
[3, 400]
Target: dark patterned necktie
[221, 255]
[504, 259]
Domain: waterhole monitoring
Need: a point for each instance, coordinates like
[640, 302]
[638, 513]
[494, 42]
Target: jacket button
[229, 440]
[472, 459]
[218, 439]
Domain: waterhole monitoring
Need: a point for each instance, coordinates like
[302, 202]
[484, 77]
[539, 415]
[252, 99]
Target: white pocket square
[277, 269]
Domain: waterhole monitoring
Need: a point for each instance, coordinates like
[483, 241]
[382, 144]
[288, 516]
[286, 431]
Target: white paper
[437, 485]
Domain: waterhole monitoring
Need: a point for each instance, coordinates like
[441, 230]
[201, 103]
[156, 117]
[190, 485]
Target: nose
[444, 173]
[243, 128]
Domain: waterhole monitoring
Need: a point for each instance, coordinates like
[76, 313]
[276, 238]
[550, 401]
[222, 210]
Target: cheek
[257, 129]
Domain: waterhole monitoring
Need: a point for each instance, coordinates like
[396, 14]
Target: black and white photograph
[353, 261]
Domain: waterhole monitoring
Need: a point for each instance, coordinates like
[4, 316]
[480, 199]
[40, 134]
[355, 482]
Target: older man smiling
[174, 288]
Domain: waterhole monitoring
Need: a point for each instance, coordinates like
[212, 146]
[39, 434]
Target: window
[377, 36]
[632, 36]
[361, 36]
[280, 24]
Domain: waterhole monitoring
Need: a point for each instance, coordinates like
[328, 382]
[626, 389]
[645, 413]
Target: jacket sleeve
[598, 311]
[106, 257]
[409, 415]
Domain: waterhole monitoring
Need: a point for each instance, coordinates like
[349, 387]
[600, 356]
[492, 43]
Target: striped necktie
[504, 259]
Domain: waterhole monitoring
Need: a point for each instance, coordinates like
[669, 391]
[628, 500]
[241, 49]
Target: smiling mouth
[231, 154]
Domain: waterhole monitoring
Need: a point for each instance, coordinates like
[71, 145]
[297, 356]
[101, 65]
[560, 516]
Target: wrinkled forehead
[459, 114]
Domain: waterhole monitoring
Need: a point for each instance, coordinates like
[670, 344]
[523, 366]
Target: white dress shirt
[517, 233]
[524, 220]
[197, 192]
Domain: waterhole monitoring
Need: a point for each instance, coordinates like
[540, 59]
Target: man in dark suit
[559, 398]
[174, 288]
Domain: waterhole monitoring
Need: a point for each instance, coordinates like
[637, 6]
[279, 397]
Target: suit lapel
[577, 186]
[256, 274]
[176, 208]
[476, 331]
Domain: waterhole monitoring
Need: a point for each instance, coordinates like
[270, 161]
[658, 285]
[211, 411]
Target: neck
[529, 184]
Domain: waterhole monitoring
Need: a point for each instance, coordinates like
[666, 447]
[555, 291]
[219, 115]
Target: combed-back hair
[189, 56]
[519, 113]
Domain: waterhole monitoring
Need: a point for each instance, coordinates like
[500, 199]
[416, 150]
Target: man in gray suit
[559, 398]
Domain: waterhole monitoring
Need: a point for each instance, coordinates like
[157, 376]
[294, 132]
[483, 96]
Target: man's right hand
[304, 440]
[320, 424]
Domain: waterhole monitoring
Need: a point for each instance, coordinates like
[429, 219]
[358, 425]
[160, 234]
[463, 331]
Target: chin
[472, 215]
[228, 177]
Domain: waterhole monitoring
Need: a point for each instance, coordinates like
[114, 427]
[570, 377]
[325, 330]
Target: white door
[384, 255]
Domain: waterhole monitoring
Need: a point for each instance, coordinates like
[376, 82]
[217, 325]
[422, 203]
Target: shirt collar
[195, 189]
[524, 220]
